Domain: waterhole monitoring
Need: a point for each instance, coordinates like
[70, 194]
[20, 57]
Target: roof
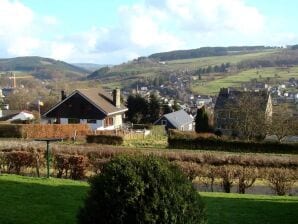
[228, 99]
[100, 98]
[178, 118]
[23, 116]
[97, 97]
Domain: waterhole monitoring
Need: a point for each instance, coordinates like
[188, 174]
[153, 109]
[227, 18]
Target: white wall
[63, 120]
[117, 120]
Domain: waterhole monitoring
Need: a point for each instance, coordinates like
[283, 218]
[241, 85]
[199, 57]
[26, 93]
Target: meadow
[25, 200]
[212, 87]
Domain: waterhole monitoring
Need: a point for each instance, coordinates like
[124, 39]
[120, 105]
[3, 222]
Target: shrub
[75, 165]
[10, 131]
[281, 180]
[66, 131]
[178, 140]
[227, 174]
[16, 160]
[61, 164]
[141, 189]
[78, 166]
[246, 178]
[105, 139]
[43, 130]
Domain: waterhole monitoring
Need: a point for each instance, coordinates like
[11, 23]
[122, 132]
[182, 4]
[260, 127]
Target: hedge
[217, 144]
[30, 131]
[11, 131]
[105, 139]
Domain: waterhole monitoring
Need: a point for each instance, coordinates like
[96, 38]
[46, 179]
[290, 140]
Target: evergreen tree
[137, 109]
[167, 109]
[201, 120]
[154, 108]
[175, 106]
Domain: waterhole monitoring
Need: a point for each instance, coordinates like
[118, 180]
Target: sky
[116, 31]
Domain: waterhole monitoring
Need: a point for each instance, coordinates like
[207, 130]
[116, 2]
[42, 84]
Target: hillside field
[25, 200]
[235, 80]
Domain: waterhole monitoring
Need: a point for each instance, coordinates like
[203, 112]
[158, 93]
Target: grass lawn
[25, 200]
[250, 209]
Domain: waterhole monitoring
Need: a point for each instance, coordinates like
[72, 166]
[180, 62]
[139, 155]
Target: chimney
[63, 95]
[116, 97]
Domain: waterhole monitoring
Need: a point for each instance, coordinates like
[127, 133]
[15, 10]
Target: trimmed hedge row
[217, 144]
[43, 130]
[105, 139]
[11, 131]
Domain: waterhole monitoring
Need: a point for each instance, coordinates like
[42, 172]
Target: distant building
[203, 100]
[94, 107]
[226, 116]
[177, 120]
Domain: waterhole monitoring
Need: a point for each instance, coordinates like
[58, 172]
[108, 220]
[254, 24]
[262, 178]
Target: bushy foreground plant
[141, 189]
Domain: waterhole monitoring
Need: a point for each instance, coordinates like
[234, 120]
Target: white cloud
[146, 27]
[215, 15]
[24, 46]
[62, 51]
[14, 17]
[50, 20]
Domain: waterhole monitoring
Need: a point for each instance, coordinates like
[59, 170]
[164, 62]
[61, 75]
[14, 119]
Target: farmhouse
[176, 120]
[92, 106]
[233, 107]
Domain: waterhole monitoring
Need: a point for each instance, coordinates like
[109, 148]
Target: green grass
[213, 87]
[250, 209]
[217, 60]
[25, 200]
[36, 201]
[149, 142]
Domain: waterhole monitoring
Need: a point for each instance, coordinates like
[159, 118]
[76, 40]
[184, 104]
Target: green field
[195, 63]
[213, 87]
[25, 200]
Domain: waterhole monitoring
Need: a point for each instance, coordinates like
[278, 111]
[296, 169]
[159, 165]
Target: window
[108, 121]
[73, 121]
[91, 121]
[164, 122]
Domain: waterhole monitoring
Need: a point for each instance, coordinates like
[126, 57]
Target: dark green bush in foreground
[141, 190]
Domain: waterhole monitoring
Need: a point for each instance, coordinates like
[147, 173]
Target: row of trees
[222, 68]
[145, 111]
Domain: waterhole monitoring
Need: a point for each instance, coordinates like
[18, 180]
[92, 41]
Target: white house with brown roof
[94, 106]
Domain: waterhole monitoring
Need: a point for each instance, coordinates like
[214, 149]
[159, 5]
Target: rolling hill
[242, 63]
[206, 52]
[42, 68]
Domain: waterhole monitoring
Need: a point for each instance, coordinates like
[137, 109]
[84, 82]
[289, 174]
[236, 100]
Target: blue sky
[115, 31]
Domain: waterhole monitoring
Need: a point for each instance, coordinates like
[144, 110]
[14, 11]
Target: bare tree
[283, 123]
[251, 115]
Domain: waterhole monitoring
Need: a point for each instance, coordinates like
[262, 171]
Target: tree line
[204, 52]
[143, 111]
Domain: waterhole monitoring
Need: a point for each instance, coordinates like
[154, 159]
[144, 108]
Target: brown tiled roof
[101, 99]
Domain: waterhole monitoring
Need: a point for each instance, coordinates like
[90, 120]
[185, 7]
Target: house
[16, 116]
[203, 100]
[176, 120]
[230, 107]
[93, 106]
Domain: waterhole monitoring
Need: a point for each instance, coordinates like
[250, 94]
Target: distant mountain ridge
[43, 68]
[89, 66]
[205, 52]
